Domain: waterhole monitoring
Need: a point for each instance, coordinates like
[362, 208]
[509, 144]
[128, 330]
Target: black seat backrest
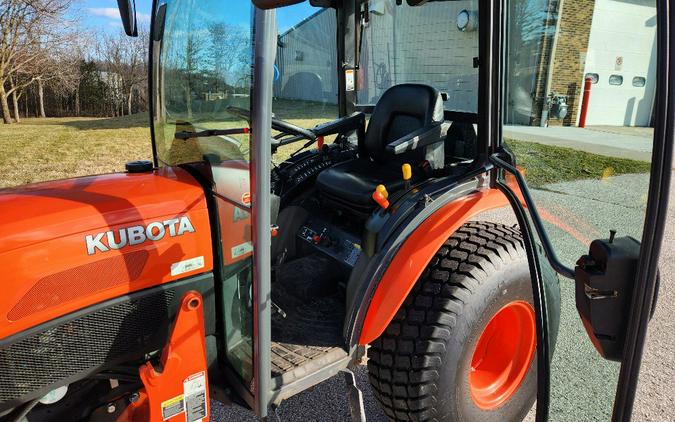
[402, 109]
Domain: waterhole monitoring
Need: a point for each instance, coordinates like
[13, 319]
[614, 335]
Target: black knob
[140, 166]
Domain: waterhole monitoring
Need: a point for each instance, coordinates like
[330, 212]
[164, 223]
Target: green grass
[56, 148]
[546, 164]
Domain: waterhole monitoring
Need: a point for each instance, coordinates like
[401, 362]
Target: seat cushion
[354, 181]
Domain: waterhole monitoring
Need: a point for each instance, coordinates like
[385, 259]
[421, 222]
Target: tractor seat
[405, 119]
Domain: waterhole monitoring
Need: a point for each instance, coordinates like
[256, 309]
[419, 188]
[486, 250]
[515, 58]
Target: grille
[83, 344]
[80, 281]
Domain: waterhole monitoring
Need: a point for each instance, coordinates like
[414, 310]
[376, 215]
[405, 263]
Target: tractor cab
[351, 159]
[341, 143]
[342, 181]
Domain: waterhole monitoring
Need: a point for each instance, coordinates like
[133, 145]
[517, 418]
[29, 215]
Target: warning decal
[173, 407]
[194, 390]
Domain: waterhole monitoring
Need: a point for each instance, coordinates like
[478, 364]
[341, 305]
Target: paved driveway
[621, 142]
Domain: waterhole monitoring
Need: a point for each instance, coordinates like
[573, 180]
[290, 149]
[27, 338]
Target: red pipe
[584, 101]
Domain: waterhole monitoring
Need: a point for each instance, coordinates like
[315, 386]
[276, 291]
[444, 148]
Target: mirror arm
[549, 251]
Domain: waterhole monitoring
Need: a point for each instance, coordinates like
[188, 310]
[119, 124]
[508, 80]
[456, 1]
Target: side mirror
[273, 4]
[128, 15]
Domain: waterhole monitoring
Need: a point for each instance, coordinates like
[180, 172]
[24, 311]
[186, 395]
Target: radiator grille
[83, 344]
[81, 281]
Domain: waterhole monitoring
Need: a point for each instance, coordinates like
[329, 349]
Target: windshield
[201, 79]
[434, 44]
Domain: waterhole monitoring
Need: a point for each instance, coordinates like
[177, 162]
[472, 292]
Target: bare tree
[28, 29]
[228, 51]
[124, 64]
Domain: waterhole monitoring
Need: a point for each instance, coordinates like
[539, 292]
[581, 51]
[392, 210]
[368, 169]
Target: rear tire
[420, 366]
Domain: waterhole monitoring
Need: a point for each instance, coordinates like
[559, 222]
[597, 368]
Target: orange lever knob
[380, 199]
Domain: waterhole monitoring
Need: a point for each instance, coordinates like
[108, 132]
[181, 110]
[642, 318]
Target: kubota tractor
[254, 257]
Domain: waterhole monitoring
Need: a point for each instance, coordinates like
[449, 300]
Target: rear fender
[415, 253]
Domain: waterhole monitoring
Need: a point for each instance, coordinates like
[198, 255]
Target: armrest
[343, 124]
[422, 137]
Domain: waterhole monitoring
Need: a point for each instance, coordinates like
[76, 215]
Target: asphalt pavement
[613, 141]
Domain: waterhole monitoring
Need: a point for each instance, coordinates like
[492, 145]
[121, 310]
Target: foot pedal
[355, 397]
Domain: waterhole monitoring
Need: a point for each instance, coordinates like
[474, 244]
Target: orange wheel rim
[503, 355]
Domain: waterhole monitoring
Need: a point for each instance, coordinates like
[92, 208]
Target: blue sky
[103, 14]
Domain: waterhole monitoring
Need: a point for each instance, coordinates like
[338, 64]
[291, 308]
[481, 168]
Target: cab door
[592, 199]
[207, 118]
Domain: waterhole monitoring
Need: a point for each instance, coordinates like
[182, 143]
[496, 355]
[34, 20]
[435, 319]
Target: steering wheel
[286, 128]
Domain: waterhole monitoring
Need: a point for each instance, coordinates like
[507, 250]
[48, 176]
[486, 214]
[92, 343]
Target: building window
[639, 81]
[594, 77]
[616, 80]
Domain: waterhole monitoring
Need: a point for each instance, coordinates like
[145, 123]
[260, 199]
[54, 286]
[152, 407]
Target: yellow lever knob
[383, 190]
[407, 171]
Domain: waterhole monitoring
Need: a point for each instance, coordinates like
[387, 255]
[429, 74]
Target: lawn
[55, 148]
[545, 164]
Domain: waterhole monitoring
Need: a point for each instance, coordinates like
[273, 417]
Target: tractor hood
[65, 245]
[44, 211]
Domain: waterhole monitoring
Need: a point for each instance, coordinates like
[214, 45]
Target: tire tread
[405, 361]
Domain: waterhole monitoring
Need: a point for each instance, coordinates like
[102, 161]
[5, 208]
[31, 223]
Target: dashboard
[297, 173]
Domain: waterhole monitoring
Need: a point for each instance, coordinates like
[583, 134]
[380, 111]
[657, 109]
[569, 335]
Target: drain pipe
[543, 120]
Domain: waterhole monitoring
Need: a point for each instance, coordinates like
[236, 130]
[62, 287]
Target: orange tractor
[220, 270]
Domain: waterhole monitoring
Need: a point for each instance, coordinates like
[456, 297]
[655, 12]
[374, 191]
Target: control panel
[338, 244]
[308, 168]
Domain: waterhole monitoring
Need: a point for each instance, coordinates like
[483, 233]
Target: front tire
[470, 316]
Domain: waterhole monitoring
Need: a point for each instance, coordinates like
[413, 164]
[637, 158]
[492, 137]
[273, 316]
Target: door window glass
[202, 78]
[587, 180]
[616, 80]
[434, 44]
[594, 77]
[639, 81]
[305, 70]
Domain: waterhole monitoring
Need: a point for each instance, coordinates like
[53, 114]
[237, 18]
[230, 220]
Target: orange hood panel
[69, 244]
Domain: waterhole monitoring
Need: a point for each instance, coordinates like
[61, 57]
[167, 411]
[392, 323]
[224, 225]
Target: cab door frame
[646, 283]
[645, 293]
[264, 51]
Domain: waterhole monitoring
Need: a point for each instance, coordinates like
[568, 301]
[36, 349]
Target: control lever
[380, 199]
[383, 190]
[407, 175]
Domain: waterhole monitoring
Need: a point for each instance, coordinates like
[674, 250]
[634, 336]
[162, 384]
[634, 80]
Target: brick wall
[546, 45]
[575, 21]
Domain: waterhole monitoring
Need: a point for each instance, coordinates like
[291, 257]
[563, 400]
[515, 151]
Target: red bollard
[584, 101]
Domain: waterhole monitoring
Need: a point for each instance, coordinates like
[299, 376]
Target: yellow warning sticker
[173, 407]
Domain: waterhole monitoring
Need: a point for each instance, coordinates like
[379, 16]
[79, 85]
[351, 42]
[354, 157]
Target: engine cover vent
[76, 347]
[81, 281]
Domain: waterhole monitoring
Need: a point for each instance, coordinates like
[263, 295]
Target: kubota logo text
[135, 235]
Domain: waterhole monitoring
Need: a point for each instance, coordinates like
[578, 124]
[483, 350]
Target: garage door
[622, 59]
